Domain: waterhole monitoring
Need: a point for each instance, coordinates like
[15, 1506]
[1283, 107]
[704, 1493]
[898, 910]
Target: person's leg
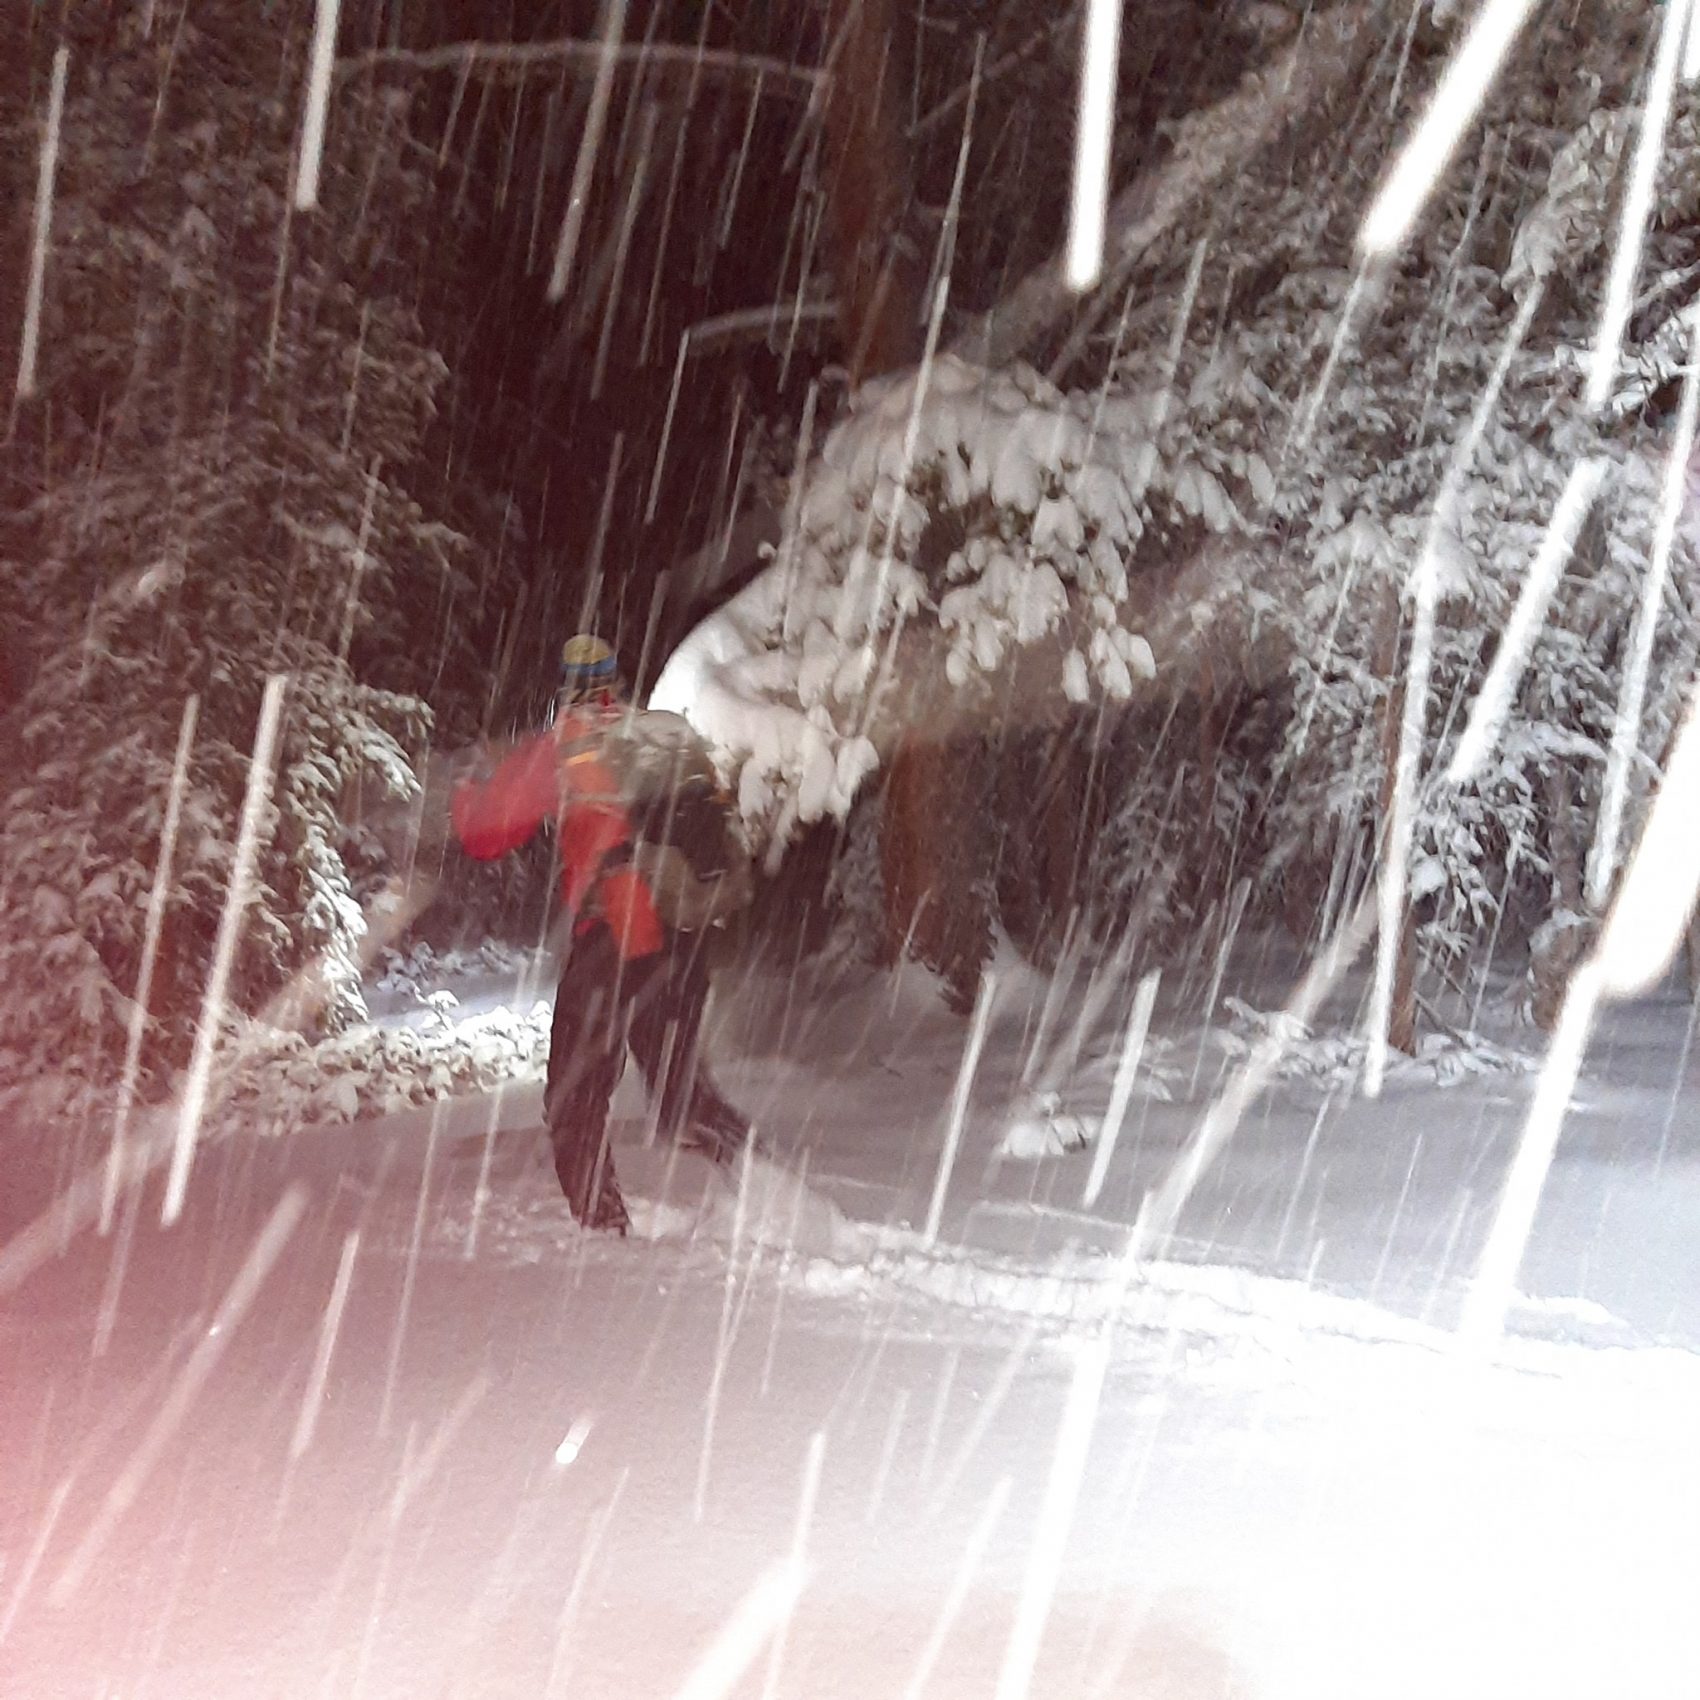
[666, 1038]
[587, 1043]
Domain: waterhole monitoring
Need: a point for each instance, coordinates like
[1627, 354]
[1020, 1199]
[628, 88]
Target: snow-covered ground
[355, 1426]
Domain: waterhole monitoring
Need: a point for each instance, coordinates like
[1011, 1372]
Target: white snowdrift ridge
[785, 678]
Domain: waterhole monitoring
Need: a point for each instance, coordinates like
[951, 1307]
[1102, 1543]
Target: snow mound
[1243, 1309]
[664, 1218]
[1088, 1289]
[764, 1202]
[1338, 1059]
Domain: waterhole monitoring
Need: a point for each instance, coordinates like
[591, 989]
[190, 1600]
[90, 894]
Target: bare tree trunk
[1062, 834]
[1566, 852]
[903, 874]
[1212, 719]
[868, 192]
[933, 866]
[1402, 1013]
[936, 909]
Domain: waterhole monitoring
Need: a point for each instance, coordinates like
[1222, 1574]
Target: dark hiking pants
[654, 1007]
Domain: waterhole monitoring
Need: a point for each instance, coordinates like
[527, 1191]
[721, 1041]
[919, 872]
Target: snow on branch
[1036, 43]
[957, 550]
[519, 58]
[740, 323]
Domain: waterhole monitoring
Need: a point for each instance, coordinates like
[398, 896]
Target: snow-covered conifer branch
[521, 58]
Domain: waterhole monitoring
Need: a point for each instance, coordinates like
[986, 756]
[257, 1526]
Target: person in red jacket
[637, 911]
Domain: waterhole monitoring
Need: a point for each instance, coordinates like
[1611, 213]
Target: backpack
[686, 842]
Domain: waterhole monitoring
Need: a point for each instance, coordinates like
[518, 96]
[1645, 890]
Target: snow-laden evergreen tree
[1214, 526]
[209, 488]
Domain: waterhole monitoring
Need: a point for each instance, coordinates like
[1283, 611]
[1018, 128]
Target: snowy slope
[714, 1462]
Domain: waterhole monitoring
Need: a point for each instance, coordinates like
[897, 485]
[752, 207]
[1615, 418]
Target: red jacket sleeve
[495, 815]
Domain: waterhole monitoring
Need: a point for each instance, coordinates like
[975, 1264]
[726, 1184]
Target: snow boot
[586, 1174]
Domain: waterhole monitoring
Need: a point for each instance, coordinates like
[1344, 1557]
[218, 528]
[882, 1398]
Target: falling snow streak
[404, 1310]
[560, 1662]
[1458, 97]
[989, 1405]
[888, 1452]
[944, 253]
[1145, 465]
[959, 1105]
[722, 1357]
[973, 1555]
[1230, 931]
[806, 1502]
[151, 929]
[1121, 1092]
[414, 1475]
[578, 195]
[1094, 126]
[25, 1572]
[729, 197]
[313, 1398]
[318, 105]
[1491, 1291]
[362, 544]
[1626, 728]
[636, 188]
[1464, 455]
[1056, 1513]
[943, 259]
[1638, 940]
[604, 523]
[741, 1638]
[1360, 296]
[280, 279]
[1637, 207]
[667, 424]
[1048, 1073]
[572, 1443]
[486, 1156]
[42, 226]
[1399, 830]
[233, 1307]
[224, 950]
[1659, 887]
[790, 534]
[1160, 1209]
[1493, 700]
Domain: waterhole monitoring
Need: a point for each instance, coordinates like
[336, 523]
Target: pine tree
[208, 488]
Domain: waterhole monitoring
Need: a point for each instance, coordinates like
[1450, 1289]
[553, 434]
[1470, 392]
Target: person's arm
[495, 815]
